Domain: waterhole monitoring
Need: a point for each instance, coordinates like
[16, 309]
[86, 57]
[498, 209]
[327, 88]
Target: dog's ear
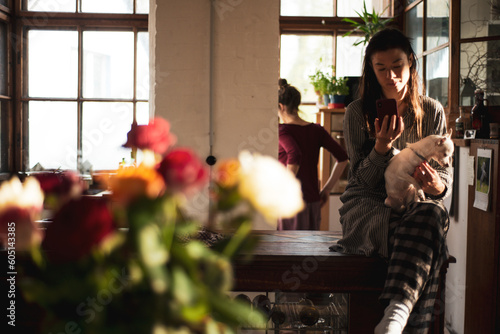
[441, 141]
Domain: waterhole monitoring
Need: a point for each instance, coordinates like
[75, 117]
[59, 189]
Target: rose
[154, 136]
[183, 171]
[20, 205]
[272, 189]
[227, 173]
[130, 183]
[78, 227]
[59, 187]
[18, 230]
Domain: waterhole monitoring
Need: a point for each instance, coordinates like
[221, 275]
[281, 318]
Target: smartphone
[386, 107]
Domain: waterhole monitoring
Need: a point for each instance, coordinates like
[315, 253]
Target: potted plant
[322, 85]
[370, 24]
[339, 92]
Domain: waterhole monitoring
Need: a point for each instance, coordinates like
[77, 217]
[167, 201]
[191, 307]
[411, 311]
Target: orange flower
[227, 174]
[129, 183]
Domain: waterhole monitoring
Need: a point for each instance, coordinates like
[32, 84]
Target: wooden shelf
[324, 117]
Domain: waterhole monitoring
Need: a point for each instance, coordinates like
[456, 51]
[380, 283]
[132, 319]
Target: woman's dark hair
[370, 89]
[289, 96]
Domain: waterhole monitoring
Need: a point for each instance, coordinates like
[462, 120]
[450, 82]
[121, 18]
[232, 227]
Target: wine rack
[301, 312]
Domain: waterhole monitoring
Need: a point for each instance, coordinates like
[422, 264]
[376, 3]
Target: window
[85, 80]
[479, 51]
[427, 25]
[312, 38]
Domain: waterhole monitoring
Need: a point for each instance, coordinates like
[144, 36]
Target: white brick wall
[245, 73]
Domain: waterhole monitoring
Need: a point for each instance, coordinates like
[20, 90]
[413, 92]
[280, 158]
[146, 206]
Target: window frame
[26, 20]
[328, 25]
[7, 124]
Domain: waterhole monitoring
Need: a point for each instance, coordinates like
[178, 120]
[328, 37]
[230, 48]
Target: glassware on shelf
[262, 303]
[308, 314]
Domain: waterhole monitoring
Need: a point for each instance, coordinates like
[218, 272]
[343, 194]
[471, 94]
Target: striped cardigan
[363, 215]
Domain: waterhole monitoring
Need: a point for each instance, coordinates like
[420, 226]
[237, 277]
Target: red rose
[183, 171]
[23, 231]
[60, 183]
[78, 227]
[155, 136]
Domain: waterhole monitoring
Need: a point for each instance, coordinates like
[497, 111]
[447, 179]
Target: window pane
[108, 64]
[420, 71]
[307, 8]
[437, 75]
[142, 7]
[53, 63]
[308, 113]
[142, 110]
[349, 8]
[52, 134]
[105, 127]
[478, 18]
[349, 57]
[414, 22]
[301, 56]
[52, 5]
[3, 59]
[437, 23]
[142, 65]
[4, 2]
[480, 68]
[108, 6]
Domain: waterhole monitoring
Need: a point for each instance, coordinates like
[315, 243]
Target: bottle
[309, 314]
[460, 124]
[243, 298]
[262, 303]
[121, 164]
[479, 116]
[278, 316]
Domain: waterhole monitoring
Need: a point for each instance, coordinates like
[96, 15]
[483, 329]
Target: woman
[299, 144]
[414, 241]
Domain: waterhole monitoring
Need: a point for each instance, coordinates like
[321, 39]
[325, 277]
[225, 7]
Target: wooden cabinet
[482, 294]
[300, 261]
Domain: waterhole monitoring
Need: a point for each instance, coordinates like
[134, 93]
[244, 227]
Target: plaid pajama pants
[417, 249]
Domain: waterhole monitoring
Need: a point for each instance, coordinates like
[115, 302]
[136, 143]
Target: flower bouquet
[133, 261]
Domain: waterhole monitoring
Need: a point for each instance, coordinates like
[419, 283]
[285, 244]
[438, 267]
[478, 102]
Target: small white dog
[402, 189]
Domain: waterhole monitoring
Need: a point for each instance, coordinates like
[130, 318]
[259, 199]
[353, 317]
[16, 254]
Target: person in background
[413, 242]
[299, 145]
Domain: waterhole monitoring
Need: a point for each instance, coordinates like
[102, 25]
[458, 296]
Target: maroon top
[299, 145]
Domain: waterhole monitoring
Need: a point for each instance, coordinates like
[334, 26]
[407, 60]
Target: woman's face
[392, 69]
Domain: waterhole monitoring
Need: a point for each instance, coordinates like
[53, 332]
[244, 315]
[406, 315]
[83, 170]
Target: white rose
[272, 189]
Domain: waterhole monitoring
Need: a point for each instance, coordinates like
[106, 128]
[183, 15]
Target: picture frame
[470, 134]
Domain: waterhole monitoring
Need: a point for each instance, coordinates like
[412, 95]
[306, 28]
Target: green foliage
[157, 276]
[321, 82]
[325, 83]
[370, 25]
[340, 86]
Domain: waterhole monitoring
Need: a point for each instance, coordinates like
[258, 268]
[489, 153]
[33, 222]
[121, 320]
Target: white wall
[227, 78]
[457, 246]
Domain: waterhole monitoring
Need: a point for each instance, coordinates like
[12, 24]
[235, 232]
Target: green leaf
[237, 239]
[236, 313]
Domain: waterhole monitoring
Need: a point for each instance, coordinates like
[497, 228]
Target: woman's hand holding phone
[387, 129]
